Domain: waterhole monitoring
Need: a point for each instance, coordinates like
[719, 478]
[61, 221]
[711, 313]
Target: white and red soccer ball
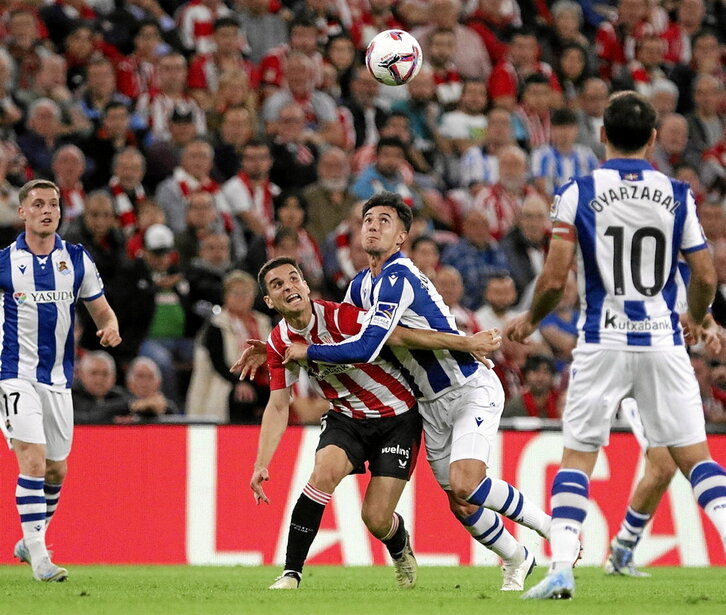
[394, 57]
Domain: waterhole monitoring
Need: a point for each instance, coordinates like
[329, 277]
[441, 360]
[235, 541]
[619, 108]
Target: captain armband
[562, 230]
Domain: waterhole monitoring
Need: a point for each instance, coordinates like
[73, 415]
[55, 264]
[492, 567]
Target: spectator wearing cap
[163, 156]
[539, 395]
[554, 164]
[150, 294]
[156, 106]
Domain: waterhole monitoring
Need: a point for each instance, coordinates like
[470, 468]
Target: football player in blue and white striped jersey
[41, 279]
[460, 400]
[624, 226]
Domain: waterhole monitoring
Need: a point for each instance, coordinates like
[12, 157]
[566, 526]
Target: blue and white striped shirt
[401, 294]
[632, 222]
[37, 309]
[556, 168]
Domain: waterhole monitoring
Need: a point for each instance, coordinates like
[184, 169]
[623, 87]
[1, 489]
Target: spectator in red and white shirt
[157, 105]
[250, 193]
[615, 42]
[69, 164]
[533, 112]
[508, 76]
[205, 69]
[196, 23]
[442, 44]
[678, 35]
[136, 73]
[502, 202]
[192, 175]
[303, 38]
[647, 67]
[374, 18]
[127, 191]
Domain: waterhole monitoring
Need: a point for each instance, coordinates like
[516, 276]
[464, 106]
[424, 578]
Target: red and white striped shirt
[362, 391]
[196, 24]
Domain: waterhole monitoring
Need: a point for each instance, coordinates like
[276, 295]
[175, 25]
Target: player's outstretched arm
[252, 358]
[480, 344]
[274, 423]
[105, 319]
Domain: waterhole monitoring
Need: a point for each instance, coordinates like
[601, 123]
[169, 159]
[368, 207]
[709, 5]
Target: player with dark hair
[624, 226]
[459, 400]
[372, 418]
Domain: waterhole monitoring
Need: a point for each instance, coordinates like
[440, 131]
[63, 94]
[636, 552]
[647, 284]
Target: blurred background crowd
[192, 141]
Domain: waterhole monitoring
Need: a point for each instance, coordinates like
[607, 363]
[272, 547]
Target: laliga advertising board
[173, 494]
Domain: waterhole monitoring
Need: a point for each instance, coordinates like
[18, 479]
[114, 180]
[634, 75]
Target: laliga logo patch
[63, 268]
[555, 206]
[20, 297]
[383, 315]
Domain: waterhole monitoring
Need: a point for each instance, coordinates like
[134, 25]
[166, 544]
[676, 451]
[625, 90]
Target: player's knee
[463, 485]
[377, 521]
[461, 508]
[55, 474]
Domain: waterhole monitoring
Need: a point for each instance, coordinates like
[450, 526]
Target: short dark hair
[535, 361]
[36, 183]
[390, 142]
[629, 121]
[225, 22]
[394, 201]
[272, 264]
[424, 239]
[564, 117]
[114, 104]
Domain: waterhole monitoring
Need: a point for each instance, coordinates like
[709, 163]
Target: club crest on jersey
[383, 314]
[63, 268]
[20, 297]
[326, 338]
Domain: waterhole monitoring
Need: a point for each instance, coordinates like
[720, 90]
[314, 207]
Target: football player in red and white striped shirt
[372, 419]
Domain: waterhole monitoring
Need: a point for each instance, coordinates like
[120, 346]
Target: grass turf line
[328, 590]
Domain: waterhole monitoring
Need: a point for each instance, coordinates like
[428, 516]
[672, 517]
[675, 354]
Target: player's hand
[259, 476]
[711, 335]
[295, 352]
[252, 357]
[108, 336]
[483, 343]
[519, 328]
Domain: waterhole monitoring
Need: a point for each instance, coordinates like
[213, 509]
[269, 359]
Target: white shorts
[37, 414]
[662, 383]
[463, 423]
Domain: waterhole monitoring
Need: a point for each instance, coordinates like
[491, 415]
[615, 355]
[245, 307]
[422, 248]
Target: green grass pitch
[328, 590]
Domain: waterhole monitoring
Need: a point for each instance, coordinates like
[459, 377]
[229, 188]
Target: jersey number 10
[636, 259]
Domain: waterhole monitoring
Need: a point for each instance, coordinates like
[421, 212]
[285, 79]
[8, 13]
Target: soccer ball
[394, 57]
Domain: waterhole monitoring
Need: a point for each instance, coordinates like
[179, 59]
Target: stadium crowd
[192, 141]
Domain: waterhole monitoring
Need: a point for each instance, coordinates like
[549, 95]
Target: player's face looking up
[287, 292]
[41, 211]
[382, 232]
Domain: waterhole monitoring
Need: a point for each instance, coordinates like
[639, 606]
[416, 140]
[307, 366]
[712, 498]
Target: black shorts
[389, 445]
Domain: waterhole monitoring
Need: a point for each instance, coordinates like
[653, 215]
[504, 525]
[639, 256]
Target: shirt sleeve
[91, 284]
[693, 237]
[394, 296]
[564, 205]
[281, 376]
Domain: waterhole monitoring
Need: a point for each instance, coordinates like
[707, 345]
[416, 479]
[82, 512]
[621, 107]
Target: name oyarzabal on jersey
[403, 295]
[631, 222]
[37, 309]
[369, 390]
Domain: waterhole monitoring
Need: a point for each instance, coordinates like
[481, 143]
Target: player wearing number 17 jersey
[625, 226]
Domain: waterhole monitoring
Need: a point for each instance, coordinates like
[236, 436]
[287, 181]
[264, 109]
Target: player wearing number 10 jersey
[625, 226]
